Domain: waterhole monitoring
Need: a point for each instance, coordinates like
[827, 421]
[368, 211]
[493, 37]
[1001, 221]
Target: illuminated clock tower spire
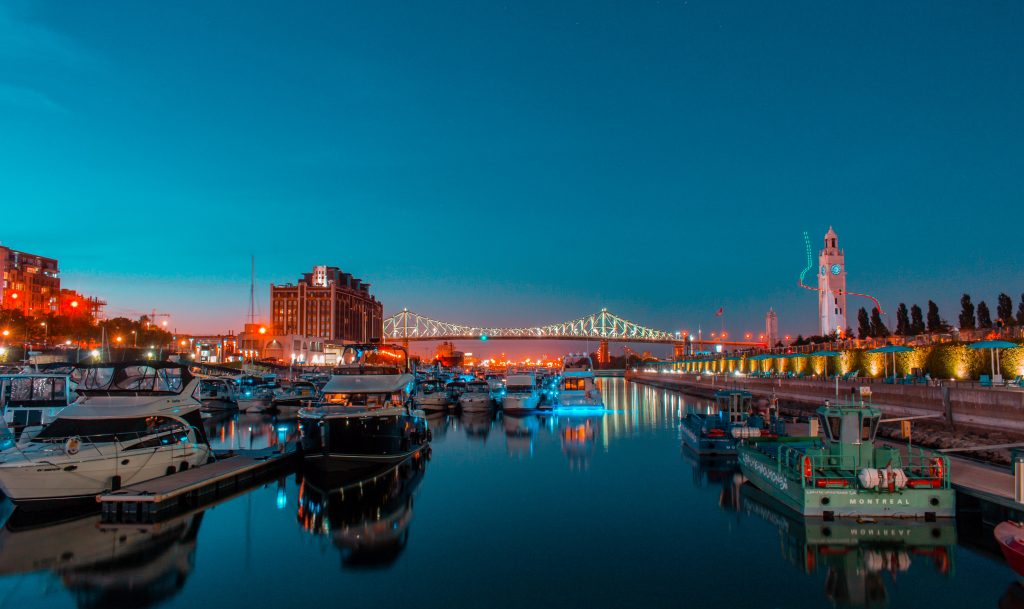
[831, 286]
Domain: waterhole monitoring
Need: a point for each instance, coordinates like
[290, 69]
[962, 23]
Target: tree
[984, 317]
[878, 329]
[1020, 311]
[863, 325]
[935, 323]
[967, 321]
[916, 321]
[800, 340]
[1004, 309]
[902, 320]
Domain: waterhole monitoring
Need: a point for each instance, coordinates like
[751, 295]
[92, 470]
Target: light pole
[46, 333]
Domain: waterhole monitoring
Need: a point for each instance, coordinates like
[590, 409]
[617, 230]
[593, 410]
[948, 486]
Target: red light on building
[14, 295]
[74, 304]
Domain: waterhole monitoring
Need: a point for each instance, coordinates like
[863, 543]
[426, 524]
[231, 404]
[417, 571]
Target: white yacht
[31, 401]
[496, 385]
[577, 387]
[476, 397]
[365, 415]
[218, 393]
[521, 393]
[134, 421]
[431, 396]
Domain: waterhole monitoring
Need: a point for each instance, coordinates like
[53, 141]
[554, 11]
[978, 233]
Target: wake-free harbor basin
[604, 510]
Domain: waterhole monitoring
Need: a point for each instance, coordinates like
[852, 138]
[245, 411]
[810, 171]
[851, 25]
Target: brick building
[327, 304]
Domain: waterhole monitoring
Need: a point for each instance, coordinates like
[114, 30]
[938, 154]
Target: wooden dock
[232, 473]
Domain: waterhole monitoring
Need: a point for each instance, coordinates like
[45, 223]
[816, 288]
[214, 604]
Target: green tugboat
[845, 474]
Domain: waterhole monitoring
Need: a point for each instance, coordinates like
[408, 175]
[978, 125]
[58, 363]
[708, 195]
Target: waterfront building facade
[28, 282]
[831, 286]
[327, 304]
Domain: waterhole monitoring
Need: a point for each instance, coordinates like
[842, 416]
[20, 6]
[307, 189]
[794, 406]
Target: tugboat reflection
[713, 470]
[105, 565]
[520, 433]
[856, 554]
[367, 515]
[579, 438]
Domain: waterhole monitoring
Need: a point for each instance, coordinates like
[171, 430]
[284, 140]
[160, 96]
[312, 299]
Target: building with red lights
[30, 283]
[74, 304]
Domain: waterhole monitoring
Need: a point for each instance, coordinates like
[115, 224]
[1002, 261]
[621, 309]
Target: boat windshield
[35, 391]
[365, 400]
[133, 378]
[574, 383]
[477, 388]
[577, 363]
[108, 430]
[361, 369]
[520, 388]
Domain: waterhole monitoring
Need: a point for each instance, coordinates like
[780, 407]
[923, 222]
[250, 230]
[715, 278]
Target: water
[560, 510]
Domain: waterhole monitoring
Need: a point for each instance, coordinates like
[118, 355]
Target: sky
[507, 164]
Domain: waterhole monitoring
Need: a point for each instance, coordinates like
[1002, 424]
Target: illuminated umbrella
[995, 346]
[826, 354]
[894, 349]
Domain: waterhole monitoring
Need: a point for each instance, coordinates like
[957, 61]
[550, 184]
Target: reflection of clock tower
[831, 286]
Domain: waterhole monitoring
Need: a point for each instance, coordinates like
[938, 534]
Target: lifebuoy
[72, 445]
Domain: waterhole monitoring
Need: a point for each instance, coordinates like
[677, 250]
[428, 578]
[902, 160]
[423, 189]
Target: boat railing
[921, 466]
[102, 445]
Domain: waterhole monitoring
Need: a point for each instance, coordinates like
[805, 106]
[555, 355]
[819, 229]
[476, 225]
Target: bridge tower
[603, 357]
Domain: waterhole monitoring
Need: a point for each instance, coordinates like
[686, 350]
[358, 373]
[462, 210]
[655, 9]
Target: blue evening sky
[514, 163]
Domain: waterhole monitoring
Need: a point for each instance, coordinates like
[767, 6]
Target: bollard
[1017, 457]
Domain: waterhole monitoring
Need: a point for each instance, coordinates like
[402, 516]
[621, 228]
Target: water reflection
[855, 556]
[367, 516]
[477, 425]
[717, 470]
[250, 431]
[520, 432]
[104, 565]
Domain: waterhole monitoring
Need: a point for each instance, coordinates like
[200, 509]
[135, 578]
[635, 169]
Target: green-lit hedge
[948, 360]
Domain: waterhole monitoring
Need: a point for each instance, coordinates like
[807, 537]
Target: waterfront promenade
[998, 409]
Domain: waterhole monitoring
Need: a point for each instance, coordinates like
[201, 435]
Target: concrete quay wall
[985, 407]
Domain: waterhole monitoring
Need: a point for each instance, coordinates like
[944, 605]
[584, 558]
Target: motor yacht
[134, 421]
[297, 395]
[365, 414]
[496, 386]
[218, 393]
[577, 387]
[431, 396]
[476, 397]
[521, 393]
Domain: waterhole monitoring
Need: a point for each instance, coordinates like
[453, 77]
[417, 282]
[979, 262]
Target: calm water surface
[537, 511]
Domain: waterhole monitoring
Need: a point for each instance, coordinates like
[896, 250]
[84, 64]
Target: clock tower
[831, 286]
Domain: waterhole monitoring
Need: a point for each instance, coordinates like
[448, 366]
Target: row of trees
[79, 329]
[983, 319]
[913, 321]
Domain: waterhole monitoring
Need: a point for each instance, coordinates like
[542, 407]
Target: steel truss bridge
[603, 326]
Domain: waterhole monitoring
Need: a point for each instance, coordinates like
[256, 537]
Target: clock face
[836, 268]
[823, 270]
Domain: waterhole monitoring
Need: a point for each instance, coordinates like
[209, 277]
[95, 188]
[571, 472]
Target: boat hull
[692, 431]
[764, 473]
[55, 480]
[1010, 536]
[348, 441]
[475, 403]
[521, 402]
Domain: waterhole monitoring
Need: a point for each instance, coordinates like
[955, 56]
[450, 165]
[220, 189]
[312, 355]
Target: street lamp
[46, 332]
[135, 339]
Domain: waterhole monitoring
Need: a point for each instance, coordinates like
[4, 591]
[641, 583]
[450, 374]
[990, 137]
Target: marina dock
[232, 473]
